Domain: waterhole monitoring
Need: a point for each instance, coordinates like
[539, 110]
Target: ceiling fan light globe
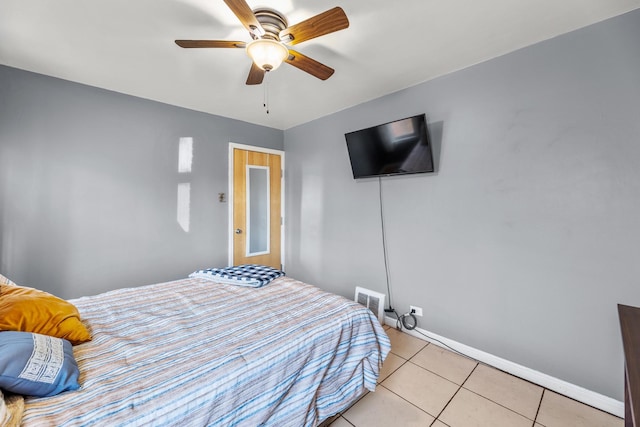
[267, 54]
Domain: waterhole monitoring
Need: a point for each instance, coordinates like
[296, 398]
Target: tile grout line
[410, 403]
[436, 418]
[448, 402]
[441, 422]
[498, 403]
[405, 361]
[379, 384]
[478, 363]
[348, 422]
[435, 373]
[456, 393]
[535, 420]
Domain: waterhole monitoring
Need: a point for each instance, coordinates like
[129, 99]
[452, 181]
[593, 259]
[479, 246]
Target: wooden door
[257, 210]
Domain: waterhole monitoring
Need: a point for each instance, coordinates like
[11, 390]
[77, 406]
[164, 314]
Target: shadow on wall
[42, 236]
[49, 239]
[435, 131]
[308, 188]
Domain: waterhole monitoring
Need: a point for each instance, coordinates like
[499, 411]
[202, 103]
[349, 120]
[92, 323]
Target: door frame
[232, 146]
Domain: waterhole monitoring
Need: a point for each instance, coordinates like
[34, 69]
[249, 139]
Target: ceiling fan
[271, 35]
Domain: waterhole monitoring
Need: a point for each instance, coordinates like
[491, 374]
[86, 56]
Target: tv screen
[395, 148]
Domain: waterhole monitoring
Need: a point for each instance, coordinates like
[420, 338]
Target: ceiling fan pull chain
[266, 92]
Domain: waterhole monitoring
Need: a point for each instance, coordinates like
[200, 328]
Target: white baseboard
[565, 388]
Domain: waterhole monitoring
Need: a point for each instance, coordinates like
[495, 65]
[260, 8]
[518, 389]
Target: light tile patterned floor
[422, 384]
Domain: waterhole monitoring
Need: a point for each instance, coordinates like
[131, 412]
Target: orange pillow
[30, 310]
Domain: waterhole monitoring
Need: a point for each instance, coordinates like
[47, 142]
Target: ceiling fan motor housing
[272, 22]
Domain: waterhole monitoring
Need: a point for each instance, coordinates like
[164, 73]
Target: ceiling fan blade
[241, 9]
[309, 65]
[210, 43]
[327, 22]
[256, 75]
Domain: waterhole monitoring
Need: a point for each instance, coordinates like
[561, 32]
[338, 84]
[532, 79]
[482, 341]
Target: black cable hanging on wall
[384, 245]
[408, 320]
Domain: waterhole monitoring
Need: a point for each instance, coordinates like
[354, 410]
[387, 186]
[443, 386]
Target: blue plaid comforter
[251, 275]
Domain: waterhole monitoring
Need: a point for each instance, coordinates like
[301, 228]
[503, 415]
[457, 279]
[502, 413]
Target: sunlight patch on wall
[185, 154]
[185, 162]
[184, 205]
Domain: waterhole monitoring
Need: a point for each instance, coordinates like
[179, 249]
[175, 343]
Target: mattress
[195, 352]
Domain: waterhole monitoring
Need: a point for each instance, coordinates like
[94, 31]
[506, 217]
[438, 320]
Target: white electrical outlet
[415, 310]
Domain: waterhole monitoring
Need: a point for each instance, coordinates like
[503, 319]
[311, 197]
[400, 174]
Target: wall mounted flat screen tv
[395, 148]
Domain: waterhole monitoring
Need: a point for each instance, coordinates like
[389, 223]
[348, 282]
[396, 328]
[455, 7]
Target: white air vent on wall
[373, 300]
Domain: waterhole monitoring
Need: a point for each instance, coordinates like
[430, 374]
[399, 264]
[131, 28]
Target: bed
[196, 352]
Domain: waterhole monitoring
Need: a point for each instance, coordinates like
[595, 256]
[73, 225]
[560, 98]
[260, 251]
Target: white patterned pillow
[36, 365]
[5, 281]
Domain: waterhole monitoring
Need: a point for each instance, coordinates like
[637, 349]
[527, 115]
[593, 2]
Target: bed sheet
[194, 353]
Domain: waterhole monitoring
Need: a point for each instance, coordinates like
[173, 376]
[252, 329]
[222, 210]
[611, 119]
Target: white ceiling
[127, 46]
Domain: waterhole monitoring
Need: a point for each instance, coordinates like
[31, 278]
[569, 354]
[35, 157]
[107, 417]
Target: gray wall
[527, 236]
[88, 186]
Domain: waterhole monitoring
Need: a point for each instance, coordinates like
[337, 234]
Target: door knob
[238, 231]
